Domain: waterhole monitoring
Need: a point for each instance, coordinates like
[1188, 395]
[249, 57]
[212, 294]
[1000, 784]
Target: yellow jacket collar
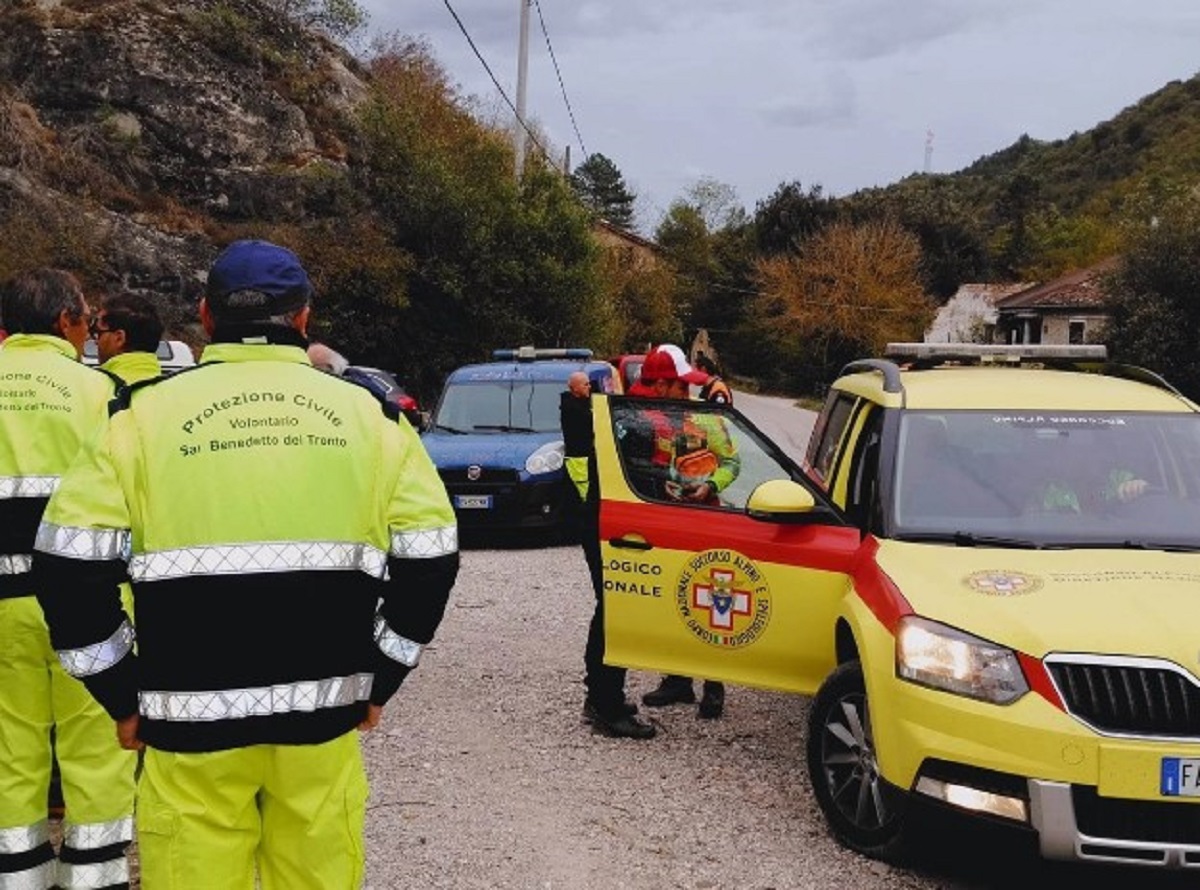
[253, 352]
[46, 342]
[133, 366]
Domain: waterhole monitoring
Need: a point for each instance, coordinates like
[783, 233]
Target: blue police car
[496, 441]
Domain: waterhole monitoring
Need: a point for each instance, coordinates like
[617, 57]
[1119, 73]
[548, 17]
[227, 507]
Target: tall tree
[487, 261]
[684, 238]
[1153, 294]
[716, 202]
[602, 188]
[790, 215]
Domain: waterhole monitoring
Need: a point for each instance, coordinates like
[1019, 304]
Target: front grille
[1135, 820]
[1132, 699]
[487, 475]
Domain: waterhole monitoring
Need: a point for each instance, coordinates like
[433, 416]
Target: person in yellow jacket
[127, 330]
[291, 550]
[50, 405]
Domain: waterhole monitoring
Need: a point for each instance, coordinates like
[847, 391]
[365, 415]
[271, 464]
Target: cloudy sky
[840, 93]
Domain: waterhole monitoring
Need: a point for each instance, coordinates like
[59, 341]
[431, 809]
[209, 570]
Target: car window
[827, 435]
[669, 449]
[633, 370]
[862, 501]
[1062, 478]
[501, 405]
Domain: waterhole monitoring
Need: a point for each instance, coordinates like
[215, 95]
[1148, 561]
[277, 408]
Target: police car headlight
[940, 657]
[546, 459]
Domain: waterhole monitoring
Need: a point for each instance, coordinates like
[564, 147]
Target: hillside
[135, 135]
[1035, 209]
[1156, 140]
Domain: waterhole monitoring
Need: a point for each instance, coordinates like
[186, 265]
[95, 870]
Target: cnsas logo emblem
[723, 598]
[999, 582]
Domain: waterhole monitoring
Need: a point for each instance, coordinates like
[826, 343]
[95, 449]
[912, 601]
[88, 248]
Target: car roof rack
[530, 354]
[889, 370]
[1089, 358]
[929, 355]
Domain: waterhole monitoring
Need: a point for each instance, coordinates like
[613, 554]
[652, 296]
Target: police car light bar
[984, 353]
[529, 354]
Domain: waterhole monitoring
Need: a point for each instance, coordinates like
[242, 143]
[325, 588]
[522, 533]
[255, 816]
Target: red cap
[668, 362]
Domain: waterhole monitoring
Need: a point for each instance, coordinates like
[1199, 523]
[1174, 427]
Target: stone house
[970, 315]
[1070, 309]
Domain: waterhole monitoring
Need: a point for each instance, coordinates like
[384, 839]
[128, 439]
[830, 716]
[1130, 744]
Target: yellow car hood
[1123, 602]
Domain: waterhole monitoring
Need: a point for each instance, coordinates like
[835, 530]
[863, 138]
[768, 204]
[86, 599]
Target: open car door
[741, 583]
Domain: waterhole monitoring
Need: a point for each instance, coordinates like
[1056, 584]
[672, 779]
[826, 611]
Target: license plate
[1181, 776]
[473, 501]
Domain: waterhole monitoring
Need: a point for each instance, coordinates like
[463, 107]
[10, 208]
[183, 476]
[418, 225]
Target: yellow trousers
[97, 775]
[293, 812]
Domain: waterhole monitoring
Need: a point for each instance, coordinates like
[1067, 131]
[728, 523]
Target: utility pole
[522, 77]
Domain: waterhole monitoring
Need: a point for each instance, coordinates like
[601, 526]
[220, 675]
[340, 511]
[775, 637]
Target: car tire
[864, 812]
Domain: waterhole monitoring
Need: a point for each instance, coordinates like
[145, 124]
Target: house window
[1075, 331]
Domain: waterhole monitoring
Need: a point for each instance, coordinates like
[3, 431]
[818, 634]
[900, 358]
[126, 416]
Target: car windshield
[501, 406]
[1049, 479]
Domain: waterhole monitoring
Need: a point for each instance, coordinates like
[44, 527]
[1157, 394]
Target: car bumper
[511, 504]
[1075, 823]
[1088, 797]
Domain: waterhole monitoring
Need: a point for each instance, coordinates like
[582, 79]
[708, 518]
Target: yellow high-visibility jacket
[50, 405]
[291, 550]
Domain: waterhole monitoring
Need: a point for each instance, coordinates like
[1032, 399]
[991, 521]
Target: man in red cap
[694, 459]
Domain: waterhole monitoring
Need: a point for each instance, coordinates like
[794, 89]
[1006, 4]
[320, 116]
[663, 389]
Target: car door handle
[630, 544]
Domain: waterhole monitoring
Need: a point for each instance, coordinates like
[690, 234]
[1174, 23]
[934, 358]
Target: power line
[558, 73]
[500, 89]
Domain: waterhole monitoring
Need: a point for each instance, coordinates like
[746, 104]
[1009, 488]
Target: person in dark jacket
[605, 707]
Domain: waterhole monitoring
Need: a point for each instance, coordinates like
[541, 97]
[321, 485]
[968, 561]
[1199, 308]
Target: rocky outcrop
[160, 129]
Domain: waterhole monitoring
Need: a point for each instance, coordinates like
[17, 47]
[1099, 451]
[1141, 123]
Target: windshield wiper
[1130, 545]
[968, 539]
[504, 428]
[449, 429]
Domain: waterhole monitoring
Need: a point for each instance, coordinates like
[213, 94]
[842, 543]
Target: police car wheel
[864, 812]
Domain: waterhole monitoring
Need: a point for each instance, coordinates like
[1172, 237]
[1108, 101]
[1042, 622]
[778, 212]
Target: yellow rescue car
[987, 572]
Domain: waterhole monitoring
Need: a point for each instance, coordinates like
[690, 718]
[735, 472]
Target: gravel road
[484, 775]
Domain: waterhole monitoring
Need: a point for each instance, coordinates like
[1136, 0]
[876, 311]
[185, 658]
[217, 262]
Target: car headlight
[546, 459]
[942, 657]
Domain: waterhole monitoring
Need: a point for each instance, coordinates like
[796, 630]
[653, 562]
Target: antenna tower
[929, 151]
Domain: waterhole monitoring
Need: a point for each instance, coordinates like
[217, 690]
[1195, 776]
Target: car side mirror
[780, 500]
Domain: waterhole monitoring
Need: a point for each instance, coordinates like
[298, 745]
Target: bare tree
[337, 18]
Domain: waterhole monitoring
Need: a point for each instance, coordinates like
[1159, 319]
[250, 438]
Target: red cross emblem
[720, 599]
